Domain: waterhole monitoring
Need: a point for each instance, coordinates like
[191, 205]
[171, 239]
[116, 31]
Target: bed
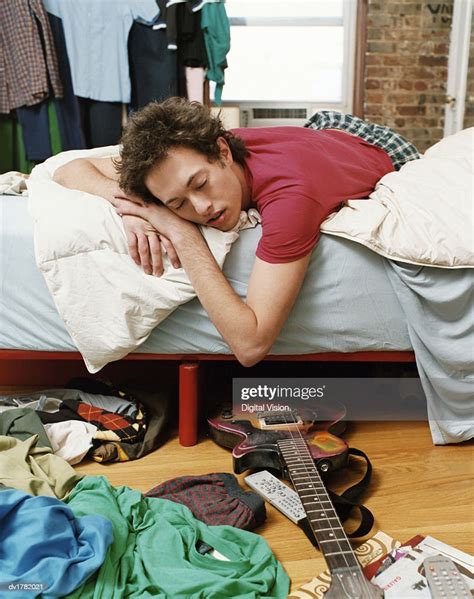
[347, 310]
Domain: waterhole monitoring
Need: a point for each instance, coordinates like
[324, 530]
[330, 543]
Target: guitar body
[254, 442]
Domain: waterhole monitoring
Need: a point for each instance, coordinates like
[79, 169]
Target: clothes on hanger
[96, 39]
[153, 66]
[28, 62]
[216, 29]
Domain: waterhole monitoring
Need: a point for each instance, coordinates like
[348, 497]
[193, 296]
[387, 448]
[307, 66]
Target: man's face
[203, 192]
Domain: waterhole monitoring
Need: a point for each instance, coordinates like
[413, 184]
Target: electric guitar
[286, 443]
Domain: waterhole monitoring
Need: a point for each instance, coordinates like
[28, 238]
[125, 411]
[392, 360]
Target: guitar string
[319, 479]
[314, 481]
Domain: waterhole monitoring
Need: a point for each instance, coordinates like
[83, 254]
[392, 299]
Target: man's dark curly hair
[151, 132]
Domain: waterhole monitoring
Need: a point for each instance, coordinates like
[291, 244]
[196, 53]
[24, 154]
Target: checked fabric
[397, 147]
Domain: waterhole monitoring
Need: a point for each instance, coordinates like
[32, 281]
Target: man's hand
[159, 216]
[142, 237]
[144, 245]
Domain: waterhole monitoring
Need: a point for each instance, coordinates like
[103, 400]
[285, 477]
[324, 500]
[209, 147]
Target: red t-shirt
[298, 176]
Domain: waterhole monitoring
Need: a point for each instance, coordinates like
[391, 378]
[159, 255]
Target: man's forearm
[81, 174]
[234, 320]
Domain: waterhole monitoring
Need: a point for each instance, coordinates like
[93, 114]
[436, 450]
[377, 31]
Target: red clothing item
[298, 176]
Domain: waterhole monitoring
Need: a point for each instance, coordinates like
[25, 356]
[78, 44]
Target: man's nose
[202, 206]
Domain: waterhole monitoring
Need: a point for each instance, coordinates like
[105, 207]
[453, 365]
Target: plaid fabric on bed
[397, 147]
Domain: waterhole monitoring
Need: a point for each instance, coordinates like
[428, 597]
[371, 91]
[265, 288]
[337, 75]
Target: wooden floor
[416, 487]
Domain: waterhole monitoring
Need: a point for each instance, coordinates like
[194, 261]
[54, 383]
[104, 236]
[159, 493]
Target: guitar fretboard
[324, 521]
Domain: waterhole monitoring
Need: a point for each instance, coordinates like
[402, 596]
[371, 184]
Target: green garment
[12, 149]
[216, 30]
[154, 554]
[33, 469]
[22, 423]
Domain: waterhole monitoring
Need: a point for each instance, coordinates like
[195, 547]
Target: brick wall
[407, 66]
[469, 112]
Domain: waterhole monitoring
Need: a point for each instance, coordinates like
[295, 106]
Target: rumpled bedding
[421, 214]
[439, 307]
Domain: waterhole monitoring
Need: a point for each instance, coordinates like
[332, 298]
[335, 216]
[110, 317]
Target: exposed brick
[375, 98]
[420, 86]
[433, 61]
[380, 72]
[380, 21]
[408, 34]
[406, 67]
[411, 110]
[372, 84]
[400, 98]
[374, 59]
[397, 60]
[381, 47]
[441, 49]
[375, 35]
[408, 85]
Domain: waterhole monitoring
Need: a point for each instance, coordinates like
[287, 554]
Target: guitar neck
[322, 516]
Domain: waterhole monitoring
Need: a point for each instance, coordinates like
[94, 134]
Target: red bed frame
[24, 367]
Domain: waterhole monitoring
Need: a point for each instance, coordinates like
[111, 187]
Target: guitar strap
[348, 500]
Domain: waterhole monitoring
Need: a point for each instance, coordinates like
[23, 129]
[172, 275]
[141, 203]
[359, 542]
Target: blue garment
[96, 39]
[41, 541]
[34, 123]
[67, 107]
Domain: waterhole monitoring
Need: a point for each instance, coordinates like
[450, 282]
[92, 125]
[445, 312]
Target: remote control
[277, 494]
[444, 579]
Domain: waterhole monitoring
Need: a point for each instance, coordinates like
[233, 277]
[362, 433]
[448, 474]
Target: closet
[73, 70]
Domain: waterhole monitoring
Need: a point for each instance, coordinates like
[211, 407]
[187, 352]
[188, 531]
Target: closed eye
[201, 185]
[179, 205]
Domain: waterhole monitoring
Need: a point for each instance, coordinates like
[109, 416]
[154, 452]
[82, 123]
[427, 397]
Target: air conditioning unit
[271, 117]
[261, 115]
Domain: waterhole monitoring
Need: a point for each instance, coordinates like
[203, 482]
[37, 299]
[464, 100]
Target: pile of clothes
[88, 418]
[65, 534]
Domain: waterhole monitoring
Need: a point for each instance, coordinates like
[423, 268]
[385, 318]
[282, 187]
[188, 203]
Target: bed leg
[188, 403]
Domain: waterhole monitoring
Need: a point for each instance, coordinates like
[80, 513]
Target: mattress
[346, 304]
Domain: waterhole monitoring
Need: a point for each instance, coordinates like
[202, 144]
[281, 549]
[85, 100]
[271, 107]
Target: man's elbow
[251, 355]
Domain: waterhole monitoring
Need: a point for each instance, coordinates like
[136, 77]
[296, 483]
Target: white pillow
[108, 304]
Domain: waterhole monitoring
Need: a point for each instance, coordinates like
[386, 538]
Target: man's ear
[225, 151]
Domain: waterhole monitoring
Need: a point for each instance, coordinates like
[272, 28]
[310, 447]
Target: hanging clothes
[67, 107]
[96, 39]
[28, 62]
[153, 66]
[216, 29]
[12, 149]
[191, 48]
[101, 122]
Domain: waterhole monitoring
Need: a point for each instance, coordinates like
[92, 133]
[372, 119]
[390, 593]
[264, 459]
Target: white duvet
[421, 214]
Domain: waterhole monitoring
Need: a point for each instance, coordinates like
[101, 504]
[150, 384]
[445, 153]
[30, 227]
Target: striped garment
[397, 147]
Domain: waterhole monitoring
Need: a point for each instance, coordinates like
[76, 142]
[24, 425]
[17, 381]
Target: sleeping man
[180, 167]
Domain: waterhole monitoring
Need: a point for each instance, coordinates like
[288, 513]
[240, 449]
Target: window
[291, 54]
